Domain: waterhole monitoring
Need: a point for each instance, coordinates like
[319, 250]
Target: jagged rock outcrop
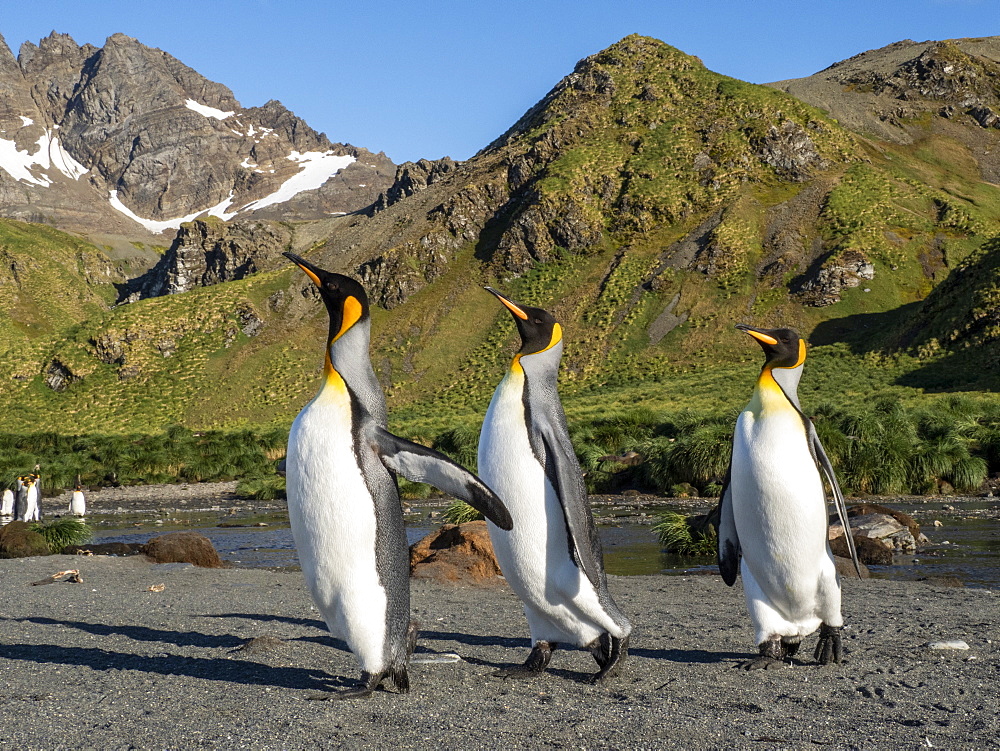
[207, 252]
[412, 177]
[789, 149]
[127, 139]
[849, 270]
[907, 90]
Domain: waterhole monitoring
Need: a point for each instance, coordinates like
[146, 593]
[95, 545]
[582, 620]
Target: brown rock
[845, 567]
[864, 509]
[183, 547]
[18, 540]
[458, 553]
[870, 551]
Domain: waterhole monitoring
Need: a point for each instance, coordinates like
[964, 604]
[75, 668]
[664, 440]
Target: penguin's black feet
[829, 648]
[369, 682]
[791, 645]
[534, 666]
[772, 655]
[610, 652]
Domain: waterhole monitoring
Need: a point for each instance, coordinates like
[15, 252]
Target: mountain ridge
[650, 203]
[128, 138]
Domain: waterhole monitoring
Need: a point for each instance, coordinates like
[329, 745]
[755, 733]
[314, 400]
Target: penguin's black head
[783, 348]
[538, 328]
[346, 300]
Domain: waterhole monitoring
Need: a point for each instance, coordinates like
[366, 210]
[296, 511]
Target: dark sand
[107, 664]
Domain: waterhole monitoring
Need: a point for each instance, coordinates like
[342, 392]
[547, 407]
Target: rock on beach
[119, 662]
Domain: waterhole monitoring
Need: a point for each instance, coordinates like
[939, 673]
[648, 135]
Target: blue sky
[430, 79]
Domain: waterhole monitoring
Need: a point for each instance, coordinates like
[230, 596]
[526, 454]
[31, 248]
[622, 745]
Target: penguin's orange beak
[757, 334]
[510, 304]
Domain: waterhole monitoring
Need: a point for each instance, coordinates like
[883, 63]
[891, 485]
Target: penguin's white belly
[333, 523]
[32, 512]
[781, 519]
[78, 504]
[7, 505]
[560, 602]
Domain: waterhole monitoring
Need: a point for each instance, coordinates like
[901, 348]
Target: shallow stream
[965, 547]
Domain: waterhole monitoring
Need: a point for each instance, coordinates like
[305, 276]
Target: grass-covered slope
[650, 203]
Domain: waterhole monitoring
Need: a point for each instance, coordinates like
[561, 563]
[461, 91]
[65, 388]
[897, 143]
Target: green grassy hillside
[650, 203]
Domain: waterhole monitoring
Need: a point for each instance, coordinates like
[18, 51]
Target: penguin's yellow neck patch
[768, 396]
[351, 315]
[333, 384]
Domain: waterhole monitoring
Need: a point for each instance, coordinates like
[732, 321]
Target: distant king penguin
[32, 506]
[552, 557]
[77, 503]
[7, 504]
[343, 503]
[774, 518]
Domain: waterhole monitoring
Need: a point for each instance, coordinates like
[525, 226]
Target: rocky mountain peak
[127, 139]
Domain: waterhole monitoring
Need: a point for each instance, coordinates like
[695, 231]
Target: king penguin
[773, 526]
[552, 557]
[32, 506]
[77, 502]
[343, 503]
[7, 505]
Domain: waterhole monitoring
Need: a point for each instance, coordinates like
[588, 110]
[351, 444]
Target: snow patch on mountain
[162, 225]
[204, 109]
[23, 165]
[318, 167]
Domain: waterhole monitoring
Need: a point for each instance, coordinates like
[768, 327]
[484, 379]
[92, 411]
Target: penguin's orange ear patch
[556, 336]
[352, 313]
[802, 352]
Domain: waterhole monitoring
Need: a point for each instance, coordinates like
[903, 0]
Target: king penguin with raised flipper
[343, 503]
[773, 526]
[552, 557]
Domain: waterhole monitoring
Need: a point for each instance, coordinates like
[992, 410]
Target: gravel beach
[109, 664]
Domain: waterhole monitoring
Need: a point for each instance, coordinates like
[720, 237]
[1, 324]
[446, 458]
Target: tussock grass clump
[461, 512]
[686, 535]
[267, 488]
[59, 533]
[461, 444]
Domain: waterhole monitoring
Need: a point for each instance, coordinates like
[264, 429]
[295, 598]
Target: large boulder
[845, 568]
[18, 540]
[183, 547]
[457, 553]
[894, 529]
[870, 552]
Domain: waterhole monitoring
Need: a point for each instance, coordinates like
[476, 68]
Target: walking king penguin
[343, 503]
[552, 557]
[32, 505]
[774, 513]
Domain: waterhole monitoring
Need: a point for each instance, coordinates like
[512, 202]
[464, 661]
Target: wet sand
[109, 664]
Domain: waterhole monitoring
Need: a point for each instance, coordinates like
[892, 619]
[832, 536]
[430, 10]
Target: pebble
[951, 644]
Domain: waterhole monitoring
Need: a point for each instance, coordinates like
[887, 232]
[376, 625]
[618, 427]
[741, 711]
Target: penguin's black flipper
[421, 464]
[823, 461]
[729, 540]
[563, 470]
